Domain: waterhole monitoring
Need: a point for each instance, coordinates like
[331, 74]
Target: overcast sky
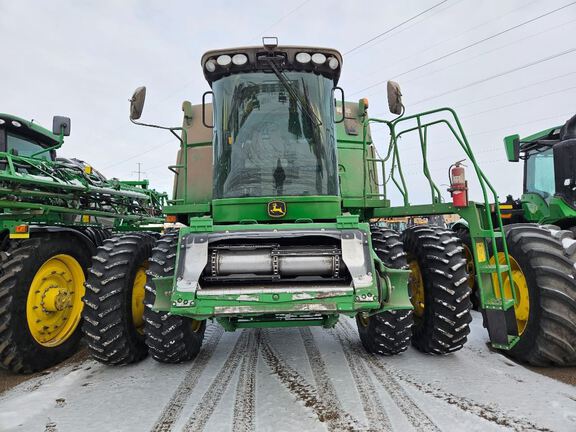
[83, 60]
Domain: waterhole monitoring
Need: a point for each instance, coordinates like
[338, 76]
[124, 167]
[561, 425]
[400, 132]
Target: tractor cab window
[22, 146]
[273, 137]
[540, 174]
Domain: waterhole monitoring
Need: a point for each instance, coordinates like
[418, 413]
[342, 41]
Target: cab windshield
[267, 142]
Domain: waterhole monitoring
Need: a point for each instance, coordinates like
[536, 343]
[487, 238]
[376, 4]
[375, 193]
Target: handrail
[462, 140]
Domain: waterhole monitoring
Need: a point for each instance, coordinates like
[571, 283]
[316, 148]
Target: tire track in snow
[209, 401]
[486, 412]
[336, 419]
[176, 403]
[324, 384]
[245, 400]
[378, 419]
[405, 403]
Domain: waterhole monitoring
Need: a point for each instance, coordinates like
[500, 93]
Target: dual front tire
[120, 324]
[439, 323]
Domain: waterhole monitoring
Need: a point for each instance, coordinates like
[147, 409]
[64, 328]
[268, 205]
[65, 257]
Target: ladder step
[488, 234]
[491, 268]
[497, 304]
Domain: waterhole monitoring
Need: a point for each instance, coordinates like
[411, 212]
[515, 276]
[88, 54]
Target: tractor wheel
[386, 333]
[542, 260]
[41, 289]
[114, 300]
[464, 235]
[170, 338]
[439, 287]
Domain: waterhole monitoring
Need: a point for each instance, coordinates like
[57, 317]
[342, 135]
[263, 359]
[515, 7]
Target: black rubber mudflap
[501, 324]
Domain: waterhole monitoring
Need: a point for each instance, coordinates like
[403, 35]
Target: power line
[282, 18]
[394, 28]
[452, 38]
[516, 69]
[547, 80]
[459, 50]
[149, 150]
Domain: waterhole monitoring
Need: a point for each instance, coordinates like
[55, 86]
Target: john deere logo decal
[276, 209]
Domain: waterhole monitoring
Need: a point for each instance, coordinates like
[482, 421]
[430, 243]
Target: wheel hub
[54, 301]
[417, 288]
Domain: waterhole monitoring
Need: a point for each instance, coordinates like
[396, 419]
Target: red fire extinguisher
[458, 185]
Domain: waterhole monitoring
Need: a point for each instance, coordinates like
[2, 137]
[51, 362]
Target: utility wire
[282, 18]
[394, 28]
[501, 74]
[451, 38]
[459, 50]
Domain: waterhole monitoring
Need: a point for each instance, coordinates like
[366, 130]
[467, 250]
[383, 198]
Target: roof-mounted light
[333, 63]
[318, 58]
[210, 65]
[303, 57]
[2, 122]
[224, 60]
[16, 123]
[240, 59]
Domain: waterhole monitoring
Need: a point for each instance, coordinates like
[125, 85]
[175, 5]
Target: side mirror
[61, 125]
[512, 146]
[204, 108]
[137, 103]
[342, 103]
[395, 98]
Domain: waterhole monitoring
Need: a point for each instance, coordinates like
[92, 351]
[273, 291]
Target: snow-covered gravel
[296, 380]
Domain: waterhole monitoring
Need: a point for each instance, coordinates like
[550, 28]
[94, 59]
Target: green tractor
[276, 183]
[547, 207]
[54, 214]
[549, 177]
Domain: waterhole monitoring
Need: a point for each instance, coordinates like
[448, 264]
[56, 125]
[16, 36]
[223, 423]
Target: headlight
[224, 60]
[210, 65]
[239, 59]
[318, 58]
[333, 63]
[303, 57]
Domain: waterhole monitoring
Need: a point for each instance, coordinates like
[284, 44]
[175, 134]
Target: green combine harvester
[275, 187]
[54, 214]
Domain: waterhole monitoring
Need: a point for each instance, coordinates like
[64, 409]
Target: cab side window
[23, 146]
[540, 174]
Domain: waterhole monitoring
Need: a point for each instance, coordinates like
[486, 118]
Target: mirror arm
[171, 129]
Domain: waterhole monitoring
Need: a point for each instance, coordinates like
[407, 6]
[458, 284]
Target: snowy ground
[295, 380]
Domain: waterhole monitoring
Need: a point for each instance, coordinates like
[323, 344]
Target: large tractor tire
[463, 234]
[389, 332]
[439, 287]
[542, 260]
[170, 338]
[41, 289]
[114, 299]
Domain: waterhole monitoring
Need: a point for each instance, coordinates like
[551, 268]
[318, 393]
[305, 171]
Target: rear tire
[440, 290]
[113, 322]
[25, 347]
[549, 337]
[386, 333]
[170, 338]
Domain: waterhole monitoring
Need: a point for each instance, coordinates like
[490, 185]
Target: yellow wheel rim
[470, 268]
[196, 325]
[363, 320]
[416, 288]
[138, 291]
[520, 285]
[54, 303]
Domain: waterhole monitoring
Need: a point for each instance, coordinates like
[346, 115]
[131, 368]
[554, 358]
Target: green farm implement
[275, 187]
[54, 214]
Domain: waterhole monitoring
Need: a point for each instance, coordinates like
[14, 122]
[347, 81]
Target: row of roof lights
[225, 60]
[14, 123]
